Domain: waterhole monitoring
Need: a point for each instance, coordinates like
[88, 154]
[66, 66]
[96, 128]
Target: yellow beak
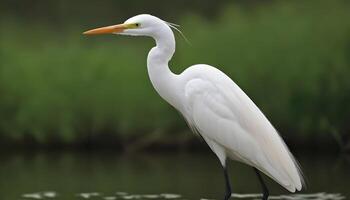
[107, 29]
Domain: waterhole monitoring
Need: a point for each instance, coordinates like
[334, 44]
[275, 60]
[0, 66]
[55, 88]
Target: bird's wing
[225, 115]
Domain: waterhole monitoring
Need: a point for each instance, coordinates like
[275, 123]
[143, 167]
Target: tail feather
[290, 169]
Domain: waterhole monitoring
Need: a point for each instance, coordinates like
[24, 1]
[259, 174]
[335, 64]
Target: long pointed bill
[107, 30]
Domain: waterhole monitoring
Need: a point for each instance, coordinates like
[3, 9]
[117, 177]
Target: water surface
[109, 176]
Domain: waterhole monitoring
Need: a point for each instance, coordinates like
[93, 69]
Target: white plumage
[234, 127]
[215, 107]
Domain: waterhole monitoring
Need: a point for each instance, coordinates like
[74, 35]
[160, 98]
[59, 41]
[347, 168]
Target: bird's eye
[137, 24]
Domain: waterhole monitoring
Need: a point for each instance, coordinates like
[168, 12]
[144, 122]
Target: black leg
[263, 186]
[228, 184]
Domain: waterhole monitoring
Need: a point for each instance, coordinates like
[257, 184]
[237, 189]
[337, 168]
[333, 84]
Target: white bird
[214, 107]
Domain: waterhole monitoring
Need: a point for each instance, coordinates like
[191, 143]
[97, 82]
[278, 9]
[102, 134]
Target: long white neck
[163, 80]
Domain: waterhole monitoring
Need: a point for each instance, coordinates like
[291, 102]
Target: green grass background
[291, 57]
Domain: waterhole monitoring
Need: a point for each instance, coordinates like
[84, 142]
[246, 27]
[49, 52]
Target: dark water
[109, 176]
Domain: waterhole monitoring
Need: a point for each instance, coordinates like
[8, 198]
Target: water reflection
[126, 196]
[315, 196]
[109, 176]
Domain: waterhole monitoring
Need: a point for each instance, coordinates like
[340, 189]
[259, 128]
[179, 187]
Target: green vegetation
[291, 58]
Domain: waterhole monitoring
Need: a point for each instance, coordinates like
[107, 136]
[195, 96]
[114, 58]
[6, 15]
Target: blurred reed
[291, 58]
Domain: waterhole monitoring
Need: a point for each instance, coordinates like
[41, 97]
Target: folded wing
[224, 115]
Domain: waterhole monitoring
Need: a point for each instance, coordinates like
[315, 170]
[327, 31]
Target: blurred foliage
[291, 57]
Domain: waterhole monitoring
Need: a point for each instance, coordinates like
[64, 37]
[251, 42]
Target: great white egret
[214, 107]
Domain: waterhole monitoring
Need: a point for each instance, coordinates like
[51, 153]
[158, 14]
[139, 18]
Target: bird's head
[140, 25]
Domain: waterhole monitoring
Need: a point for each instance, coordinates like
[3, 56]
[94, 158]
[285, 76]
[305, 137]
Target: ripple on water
[40, 195]
[88, 195]
[121, 193]
[126, 196]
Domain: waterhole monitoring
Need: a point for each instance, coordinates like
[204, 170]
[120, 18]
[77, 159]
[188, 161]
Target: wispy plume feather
[176, 27]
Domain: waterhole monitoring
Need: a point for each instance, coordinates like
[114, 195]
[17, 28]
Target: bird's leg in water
[263, 186]
[228, 184]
